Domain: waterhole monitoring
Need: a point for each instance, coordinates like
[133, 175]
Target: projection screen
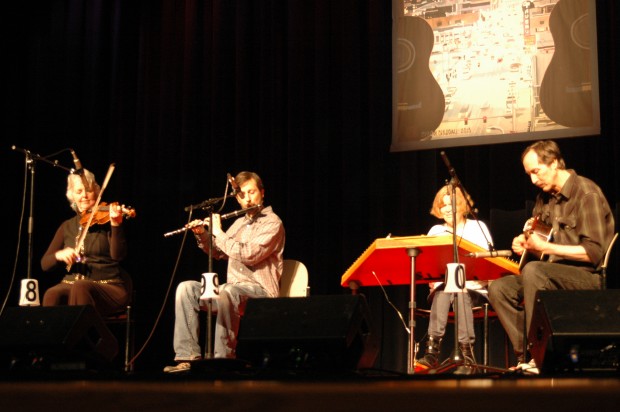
[494, 71]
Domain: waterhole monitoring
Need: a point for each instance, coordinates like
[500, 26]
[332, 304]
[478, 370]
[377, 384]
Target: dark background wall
[178, 93]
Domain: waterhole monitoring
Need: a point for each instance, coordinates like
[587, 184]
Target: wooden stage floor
[216, 391]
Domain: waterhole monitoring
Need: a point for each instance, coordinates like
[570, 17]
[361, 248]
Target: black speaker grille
[325, 332]
[576, 331]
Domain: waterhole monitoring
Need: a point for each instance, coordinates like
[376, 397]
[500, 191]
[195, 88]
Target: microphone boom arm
[207, 203]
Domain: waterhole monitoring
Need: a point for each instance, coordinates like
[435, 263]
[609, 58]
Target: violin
[88, 218]
[103, 214]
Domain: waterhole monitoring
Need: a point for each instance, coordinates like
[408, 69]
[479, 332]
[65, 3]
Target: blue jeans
[187, 319]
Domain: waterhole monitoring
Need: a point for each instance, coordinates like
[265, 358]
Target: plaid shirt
[579, 215]
[254, 247]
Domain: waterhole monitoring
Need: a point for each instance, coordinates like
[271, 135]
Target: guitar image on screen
[566, 88]
[421, 101]
[534, 226]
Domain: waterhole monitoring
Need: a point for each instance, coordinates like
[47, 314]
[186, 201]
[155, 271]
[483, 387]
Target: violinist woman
[95, 276]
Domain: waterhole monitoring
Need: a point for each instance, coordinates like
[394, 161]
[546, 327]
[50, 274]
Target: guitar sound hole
[580, 32]
[406, 55]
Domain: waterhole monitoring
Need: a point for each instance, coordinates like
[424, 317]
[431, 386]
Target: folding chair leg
[128, 342]
[485, 348]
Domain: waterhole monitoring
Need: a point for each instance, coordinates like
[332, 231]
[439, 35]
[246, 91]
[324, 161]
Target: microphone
[78, 165]
[79, 170]
[233, 184]
[494, 253]
[448, 165]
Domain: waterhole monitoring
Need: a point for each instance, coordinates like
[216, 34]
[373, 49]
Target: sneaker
[420, 368]
[530, 368]
[527, 368]
[427, 363]
[179, 367]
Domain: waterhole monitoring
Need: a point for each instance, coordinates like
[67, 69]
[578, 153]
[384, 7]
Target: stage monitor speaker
[576, 331]
[63, 335]
[308, 333]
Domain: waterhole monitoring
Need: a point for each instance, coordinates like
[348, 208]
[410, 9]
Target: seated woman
[477, 233]
[95, 277]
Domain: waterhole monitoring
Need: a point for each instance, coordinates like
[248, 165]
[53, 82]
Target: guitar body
[421, 102]
[566, 88]
[534, 226]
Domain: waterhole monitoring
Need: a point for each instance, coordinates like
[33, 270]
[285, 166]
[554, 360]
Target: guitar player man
[575, 209]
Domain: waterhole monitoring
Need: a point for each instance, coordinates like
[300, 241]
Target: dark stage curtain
[178, 93]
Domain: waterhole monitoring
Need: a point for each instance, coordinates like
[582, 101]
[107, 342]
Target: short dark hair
[243, 177]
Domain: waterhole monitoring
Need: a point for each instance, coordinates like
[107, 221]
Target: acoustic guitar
[566, 88]
[534, 226]
[421, 102]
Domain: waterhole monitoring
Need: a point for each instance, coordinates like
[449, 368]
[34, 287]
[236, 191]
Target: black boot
[469, 364]
[430, 360]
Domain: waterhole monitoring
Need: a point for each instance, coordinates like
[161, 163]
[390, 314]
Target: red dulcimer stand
[419, 259]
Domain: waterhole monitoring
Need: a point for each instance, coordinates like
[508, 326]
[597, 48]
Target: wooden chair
[125, 319]
[603, 271]
[294, 280]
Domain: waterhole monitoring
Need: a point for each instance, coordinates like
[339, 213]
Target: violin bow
[79, 244]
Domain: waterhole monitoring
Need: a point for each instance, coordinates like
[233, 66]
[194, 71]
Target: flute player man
[254, 247]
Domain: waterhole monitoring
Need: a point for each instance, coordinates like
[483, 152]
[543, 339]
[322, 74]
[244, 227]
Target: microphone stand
[457, 357]
[209, 205]
[474, 214]
[31, 159]
[209, 344]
